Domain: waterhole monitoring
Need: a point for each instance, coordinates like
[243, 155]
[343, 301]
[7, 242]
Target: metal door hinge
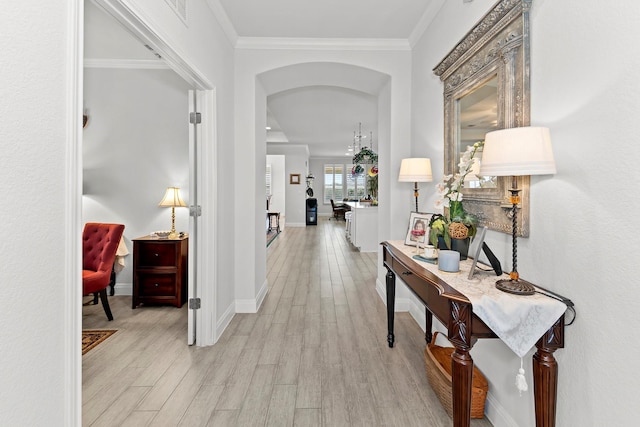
[195, 118]
[195, 210]
[194, 303]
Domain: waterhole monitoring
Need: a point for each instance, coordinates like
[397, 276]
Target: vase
[462, 246]
[441, 243]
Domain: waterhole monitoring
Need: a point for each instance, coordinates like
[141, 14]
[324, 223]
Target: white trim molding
[252, 305]
[322, 44]
[72, 313]
[143, 64]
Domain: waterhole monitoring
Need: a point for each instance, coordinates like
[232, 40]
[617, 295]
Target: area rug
[91, 338]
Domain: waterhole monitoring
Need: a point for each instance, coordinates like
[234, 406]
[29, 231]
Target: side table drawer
[157, 255]
[152, 284]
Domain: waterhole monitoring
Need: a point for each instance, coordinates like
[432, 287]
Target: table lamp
[415, 170]
[517, 152]
[172, 199]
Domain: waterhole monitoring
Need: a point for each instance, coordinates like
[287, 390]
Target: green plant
[365, 156]
[450, 191]
[372, 186]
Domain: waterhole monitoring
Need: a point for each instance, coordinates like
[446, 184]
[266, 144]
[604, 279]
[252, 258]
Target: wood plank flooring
[315, 354]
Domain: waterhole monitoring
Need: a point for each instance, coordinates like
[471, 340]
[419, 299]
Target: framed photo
[418, 221]
[475, 250]
[480, 245]
[294, 178]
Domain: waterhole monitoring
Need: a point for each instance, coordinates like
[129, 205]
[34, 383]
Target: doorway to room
[139, 140]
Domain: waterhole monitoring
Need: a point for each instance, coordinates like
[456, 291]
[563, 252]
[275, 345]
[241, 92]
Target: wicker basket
[437, 361]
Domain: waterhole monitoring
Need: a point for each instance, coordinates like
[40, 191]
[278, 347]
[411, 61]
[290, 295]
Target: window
[356, 184]
[333, 183]
[339, 183]
[268, 180]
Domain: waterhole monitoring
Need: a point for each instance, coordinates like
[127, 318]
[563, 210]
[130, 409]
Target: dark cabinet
[160, 271]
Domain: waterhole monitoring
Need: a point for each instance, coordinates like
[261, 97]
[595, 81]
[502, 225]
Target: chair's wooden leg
[112, 281]
[95, 298]
[105, 304]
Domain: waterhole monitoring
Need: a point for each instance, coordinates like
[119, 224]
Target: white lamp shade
[517, 152]
[415, 170]
[172, 198]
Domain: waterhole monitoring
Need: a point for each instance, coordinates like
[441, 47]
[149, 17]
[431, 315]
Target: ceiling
[321, 116]
[352, 19]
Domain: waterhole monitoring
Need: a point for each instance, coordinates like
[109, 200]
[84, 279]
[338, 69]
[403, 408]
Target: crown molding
[322, 44]
[147, 64]
[224, 21]
[426, 19]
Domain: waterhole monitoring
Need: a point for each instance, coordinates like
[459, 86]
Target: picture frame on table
[479, 245]
[418, 220]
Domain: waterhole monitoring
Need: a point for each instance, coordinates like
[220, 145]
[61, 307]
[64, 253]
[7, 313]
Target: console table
[454, 310]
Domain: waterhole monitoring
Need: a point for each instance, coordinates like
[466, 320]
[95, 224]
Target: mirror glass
[478, 114]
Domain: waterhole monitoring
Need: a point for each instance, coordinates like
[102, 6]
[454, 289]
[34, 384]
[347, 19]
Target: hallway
[315, 354]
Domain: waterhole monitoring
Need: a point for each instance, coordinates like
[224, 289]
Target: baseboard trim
[252, 305]
[123, 289]
[497, 414]
[402, 304]
[223, 322]
[296, 224]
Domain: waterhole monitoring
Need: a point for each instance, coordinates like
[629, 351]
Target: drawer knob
[156, 285]
[157, 254]
[407, 273]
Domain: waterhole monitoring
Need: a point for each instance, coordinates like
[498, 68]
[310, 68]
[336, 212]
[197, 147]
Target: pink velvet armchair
[99, 246]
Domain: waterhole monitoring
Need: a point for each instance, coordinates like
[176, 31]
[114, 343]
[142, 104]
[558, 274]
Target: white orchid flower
[456, 196]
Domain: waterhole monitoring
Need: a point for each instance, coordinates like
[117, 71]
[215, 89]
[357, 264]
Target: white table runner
[518, 320]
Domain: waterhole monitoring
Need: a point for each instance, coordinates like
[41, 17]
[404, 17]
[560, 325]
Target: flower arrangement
[455, 223]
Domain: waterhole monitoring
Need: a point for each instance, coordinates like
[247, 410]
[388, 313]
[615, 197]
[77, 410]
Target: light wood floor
[315, 354]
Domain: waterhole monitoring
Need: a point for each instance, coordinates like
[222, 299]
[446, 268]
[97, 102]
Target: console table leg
[428, 336]
[391, 304]
[545, 386]
[461, 378]
[459, 328]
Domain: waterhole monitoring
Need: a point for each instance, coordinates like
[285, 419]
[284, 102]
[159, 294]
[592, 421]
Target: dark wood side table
[455, 311]
[160, 268]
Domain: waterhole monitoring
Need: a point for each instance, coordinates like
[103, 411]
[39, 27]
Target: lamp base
[518, 287]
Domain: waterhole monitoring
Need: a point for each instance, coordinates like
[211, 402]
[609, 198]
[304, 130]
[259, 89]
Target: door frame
[207, 185]
[207, 188]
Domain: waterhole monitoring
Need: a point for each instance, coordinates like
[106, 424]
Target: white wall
[278, 183]
[37, 142]
[584, 89]
[296, 162]
[136, 144]
[40, 139]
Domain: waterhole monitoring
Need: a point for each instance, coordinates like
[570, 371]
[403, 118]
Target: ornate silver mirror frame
[498, 46]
